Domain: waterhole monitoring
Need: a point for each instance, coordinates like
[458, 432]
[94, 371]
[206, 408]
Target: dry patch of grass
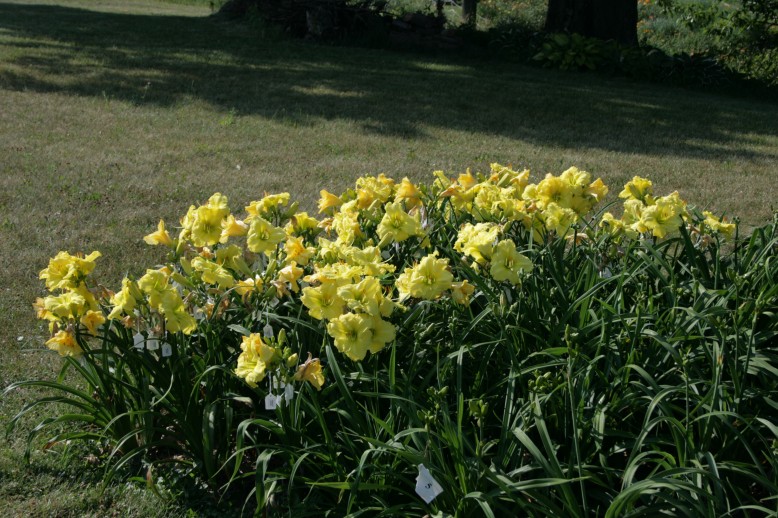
[114, 114]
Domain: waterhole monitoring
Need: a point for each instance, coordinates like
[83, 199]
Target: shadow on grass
[166, 61]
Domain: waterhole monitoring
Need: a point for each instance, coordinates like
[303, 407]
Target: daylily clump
[465, 330]
[377, 252]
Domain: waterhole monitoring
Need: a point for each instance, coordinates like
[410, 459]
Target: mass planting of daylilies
[343, 267]
[512, 343]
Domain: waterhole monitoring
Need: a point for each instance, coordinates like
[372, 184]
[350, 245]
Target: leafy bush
[741, 38]
[481, 335]
[571, 51]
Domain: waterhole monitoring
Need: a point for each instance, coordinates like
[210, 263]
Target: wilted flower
[311, 372]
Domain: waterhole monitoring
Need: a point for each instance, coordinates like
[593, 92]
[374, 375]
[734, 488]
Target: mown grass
[115, 114]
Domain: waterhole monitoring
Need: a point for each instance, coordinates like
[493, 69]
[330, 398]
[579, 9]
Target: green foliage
[741, 37]
[571, 51]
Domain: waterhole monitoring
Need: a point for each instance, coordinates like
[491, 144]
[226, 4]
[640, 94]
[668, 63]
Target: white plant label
[138, 340]
[167, 350]
[152, 344]
[426, 486]
[271, 402]
[268, 331]
[288, 393]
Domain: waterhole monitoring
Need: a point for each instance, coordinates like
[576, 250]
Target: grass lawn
[116, 113]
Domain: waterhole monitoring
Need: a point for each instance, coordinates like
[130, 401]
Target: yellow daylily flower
[328, 201]
[125, 300]
[347, 226]
[263, 236]
[297, 252]
[461, 292]
[352, 334]
[718, 225]
[206, 227]
[66, 305]
[639, 189]
[65, 344]
[382, 333]
[301, 223]
[180, 320]
[160, 237]
[232, 227]
[553, 189]
[248, 285]
[397, 225]
[67, 271]
[92, 320]
[407, 192]
[363, 297]
[427, 280]
[256, 359]
[477, 241]
[508, 263]
[370, 189]
[290, 274]
[323, 302]
[212, 273]
[269, 204]
[559, 219]
[665, 216]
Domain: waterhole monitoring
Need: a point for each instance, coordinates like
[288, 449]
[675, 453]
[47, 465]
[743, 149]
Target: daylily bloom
[256, 359]
[352, 334]
[328, 201]
[206, 227]
[263, 236]
[323, 302]
[64, 343]
[68, 271]
[160, 237]
[427, 280]
[508, 263]
[397, 225]
[92, 320]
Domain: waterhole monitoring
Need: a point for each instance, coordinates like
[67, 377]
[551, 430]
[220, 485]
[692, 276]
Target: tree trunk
[469, 8]
[603, 19]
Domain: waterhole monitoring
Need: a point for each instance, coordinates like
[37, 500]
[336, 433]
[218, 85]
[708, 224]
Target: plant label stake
[288, 393]
[167, 350]
[138, 340]
[267, 331]
[152, 344]
[426, 486]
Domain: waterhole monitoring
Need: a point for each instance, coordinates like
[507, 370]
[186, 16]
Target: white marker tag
[426, 486]
[138, 340]
[267, 331]
[288, 393]
[167, 350]
[271, 402]
[152, 344]
[606, 273]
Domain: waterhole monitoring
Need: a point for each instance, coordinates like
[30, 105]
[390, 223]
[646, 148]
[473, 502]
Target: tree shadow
[168, 60]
